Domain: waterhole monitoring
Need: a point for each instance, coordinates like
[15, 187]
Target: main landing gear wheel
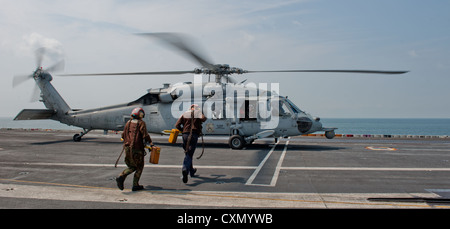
[236, 142]
[77, 137]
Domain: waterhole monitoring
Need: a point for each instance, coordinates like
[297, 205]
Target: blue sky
[96, 36]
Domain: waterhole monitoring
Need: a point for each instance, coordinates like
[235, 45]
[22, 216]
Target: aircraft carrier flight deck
[47, 169]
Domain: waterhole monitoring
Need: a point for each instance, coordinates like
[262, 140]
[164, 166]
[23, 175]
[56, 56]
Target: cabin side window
[146, 99]
[215, 111]
[248, 110]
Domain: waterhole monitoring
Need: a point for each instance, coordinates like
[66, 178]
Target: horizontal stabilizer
[34, 114]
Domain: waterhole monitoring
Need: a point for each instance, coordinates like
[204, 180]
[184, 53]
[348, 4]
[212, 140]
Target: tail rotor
[39, 72]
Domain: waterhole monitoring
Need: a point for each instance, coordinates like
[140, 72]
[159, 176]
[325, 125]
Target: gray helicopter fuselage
[250, 111]
[163, 106]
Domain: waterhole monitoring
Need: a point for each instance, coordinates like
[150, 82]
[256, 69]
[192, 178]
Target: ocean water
[389, 126]
[385, 126]
[35, 124]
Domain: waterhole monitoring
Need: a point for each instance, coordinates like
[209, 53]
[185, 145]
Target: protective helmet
[136, 111]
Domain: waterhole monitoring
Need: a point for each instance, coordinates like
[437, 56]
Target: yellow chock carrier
[173, 136]
[154, 154]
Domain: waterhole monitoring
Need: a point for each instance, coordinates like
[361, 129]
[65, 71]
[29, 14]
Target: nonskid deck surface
[46, 169]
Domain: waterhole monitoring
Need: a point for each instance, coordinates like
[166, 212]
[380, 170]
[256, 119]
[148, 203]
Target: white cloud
[32, 42]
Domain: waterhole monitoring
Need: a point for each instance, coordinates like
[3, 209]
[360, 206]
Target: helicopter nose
[308, 124]
[317, 125]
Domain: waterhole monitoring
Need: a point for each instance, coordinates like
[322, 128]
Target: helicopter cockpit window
[284, 109]
[294, 108]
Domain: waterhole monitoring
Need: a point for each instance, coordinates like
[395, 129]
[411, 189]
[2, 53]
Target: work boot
[137, 188]
[193, 171]
[120, 181]
[185, 177]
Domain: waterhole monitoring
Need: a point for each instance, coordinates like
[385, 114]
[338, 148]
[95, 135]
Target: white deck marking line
[429, 149]
[364, 169]
[274, 180]
[278, 168]
[70, 192]
[255, 173]
[437, 190]
[234, 167]
[123, 165]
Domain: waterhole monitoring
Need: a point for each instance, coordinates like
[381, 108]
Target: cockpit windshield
[287, 107]
[293, 107]
[284, 109]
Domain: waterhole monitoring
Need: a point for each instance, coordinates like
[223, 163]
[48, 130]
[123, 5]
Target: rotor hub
[220, 69]
[41, 74]
[38, 73]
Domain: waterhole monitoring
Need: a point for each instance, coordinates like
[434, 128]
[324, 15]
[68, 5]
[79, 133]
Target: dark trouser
[135, 163]
[187, 163]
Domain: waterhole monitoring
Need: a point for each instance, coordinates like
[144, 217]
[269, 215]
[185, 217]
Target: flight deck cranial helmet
[138, 112]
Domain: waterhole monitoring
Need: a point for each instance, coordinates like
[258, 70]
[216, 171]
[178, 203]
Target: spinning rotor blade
[19, 79]
[180, 42]
[35, 94]
[184, 44]
[132, 73]
[336, 71]
[56, 67]
[39, 53]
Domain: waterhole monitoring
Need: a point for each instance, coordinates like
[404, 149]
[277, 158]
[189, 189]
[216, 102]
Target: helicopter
[243, 111]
